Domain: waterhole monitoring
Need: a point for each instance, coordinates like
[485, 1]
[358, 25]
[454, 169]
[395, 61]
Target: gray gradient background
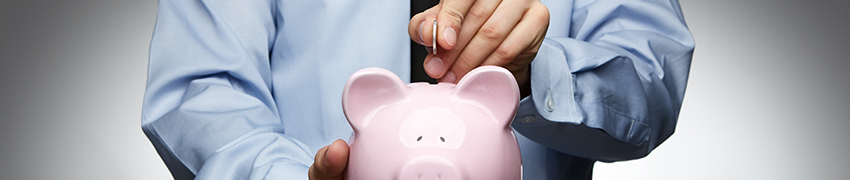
[767, 96]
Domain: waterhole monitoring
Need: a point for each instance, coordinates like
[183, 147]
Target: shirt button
[527, 120]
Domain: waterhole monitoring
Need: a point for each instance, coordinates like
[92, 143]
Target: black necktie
[417, 52]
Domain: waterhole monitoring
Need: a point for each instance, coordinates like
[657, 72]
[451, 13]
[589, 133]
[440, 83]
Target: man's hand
[330, 162]
[505, 33]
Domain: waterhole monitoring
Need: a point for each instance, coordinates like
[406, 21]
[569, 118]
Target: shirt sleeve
[208, 107]
[610, 88]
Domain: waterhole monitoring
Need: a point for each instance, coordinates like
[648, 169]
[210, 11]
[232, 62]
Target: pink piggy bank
[423, 131]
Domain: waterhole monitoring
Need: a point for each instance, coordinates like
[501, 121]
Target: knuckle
[540, 13]
[477, 12]
[490, 32]
[504, 54]
[455, 15]
[463, 63]
[418, 15]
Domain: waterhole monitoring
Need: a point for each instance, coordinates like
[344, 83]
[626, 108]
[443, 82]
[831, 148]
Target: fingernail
[434, 66]
[450, 35]
[421, 40]
[449, 77]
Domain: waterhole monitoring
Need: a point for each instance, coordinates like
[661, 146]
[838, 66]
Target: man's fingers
[419, 28]
[337, 157]
[475, 17]
[330, 162]
[521, 46]
[318, 168]
[487, 39]
[525, 38]
[449, 19]
[434, 65]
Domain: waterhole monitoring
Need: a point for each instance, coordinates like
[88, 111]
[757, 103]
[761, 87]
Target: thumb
[330, 162]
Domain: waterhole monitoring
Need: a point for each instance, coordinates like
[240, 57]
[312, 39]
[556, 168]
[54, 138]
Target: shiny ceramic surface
[423, 131]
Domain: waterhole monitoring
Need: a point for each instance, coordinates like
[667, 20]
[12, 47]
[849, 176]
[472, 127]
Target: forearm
[220, 132]
[208, 105]
[618, 76]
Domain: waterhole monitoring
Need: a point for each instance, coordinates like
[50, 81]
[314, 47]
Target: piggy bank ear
[367, 90]
[494, 88]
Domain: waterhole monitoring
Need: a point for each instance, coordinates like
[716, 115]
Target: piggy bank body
[425, 131]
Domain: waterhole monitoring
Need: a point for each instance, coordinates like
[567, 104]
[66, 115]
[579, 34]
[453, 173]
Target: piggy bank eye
[419, 139]
[441, 139]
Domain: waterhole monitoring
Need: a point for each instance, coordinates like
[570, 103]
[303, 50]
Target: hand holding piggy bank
[423, 131]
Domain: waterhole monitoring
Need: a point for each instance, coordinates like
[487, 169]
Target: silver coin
[434, 37]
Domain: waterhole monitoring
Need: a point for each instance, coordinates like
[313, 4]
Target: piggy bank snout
[429, 168]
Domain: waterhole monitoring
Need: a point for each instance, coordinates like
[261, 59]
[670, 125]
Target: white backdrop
[767, 96]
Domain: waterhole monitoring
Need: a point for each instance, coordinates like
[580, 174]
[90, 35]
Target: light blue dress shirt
[252, 89]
